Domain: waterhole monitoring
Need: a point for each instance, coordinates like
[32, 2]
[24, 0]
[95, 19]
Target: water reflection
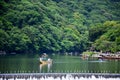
[99, 61]
[46, 67]
[61, 64]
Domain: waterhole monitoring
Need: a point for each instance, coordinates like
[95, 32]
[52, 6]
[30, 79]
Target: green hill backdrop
[36, 26]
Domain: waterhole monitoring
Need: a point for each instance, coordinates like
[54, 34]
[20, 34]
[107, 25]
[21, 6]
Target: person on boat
[49, 60]
[40, 59]
[44, 57]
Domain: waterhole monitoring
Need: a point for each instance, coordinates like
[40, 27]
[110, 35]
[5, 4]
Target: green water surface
[61, 64]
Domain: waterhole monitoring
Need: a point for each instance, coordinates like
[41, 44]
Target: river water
[61, 64]
[20, 64]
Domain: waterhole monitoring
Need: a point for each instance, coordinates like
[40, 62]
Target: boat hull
[45, 62]
[110, 57]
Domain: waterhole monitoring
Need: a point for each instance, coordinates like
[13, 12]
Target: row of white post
[61, 71]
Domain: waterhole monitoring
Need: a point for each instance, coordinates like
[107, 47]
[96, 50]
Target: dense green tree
[18, 41]
[4, 37]
[109, 40]
[37, 26]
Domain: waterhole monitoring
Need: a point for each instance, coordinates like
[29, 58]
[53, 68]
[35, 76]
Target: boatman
[44, 55]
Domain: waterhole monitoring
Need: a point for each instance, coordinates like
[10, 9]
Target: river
[61, 64]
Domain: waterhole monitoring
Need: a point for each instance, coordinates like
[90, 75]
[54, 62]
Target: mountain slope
[33, 26]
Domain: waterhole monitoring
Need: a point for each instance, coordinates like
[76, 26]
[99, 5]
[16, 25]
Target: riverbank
[100, 55]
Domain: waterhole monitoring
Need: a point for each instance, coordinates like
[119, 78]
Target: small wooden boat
[48, 61]
[110, 56]
[45, 62]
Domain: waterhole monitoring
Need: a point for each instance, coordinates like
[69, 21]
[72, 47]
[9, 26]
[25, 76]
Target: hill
[37, 26]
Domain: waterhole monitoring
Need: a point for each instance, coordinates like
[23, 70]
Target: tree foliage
[36, 26]
[108, 41]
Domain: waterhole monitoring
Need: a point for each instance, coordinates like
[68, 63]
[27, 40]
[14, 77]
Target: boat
[45, 61]
[110, 56]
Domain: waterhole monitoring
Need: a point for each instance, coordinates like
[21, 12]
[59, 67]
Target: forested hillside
[37, 26]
